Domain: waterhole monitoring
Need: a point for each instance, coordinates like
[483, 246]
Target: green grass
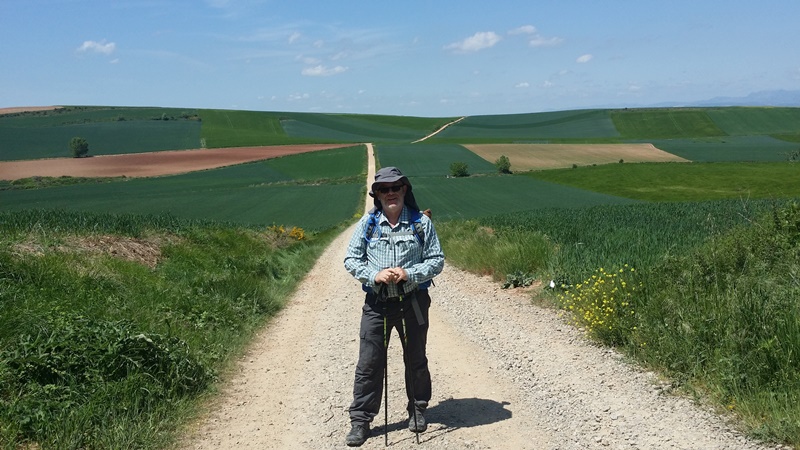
[668, 123]
[725, 317]
[97, 351]
[639, 234]
[683, 181]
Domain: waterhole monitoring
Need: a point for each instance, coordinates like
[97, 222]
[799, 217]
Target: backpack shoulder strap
[372, 223]
[419, 230]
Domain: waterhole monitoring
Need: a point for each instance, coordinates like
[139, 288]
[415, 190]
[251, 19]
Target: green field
[729, 148]
[466, 198]
[288, 191]
[659, 182]
[664, 123]
[756, 121]
[430, 159]
[530, 127]
[359, 128]
[714, 243]
[109, 131]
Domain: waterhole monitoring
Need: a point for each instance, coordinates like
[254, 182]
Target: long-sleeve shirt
[394, 247]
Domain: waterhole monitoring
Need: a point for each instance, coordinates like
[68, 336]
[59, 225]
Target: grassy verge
[718, 310]
[111, 327]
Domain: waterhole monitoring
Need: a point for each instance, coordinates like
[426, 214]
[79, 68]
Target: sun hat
[390, 175]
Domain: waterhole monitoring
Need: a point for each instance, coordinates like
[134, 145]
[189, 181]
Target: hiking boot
[419, 425]
[358, 434]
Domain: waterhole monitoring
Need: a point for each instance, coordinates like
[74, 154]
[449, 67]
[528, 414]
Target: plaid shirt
[394, 247]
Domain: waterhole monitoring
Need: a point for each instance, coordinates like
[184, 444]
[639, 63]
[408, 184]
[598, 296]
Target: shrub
[503, 164]
[518, 279]
[459, 169]
[79, 147]
[603, 304]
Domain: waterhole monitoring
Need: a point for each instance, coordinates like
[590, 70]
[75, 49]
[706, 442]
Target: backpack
[416, 222]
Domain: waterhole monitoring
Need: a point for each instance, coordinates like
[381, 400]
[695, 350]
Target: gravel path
[506, 375]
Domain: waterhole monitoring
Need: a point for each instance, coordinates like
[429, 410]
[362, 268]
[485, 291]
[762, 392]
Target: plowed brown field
[150, 164]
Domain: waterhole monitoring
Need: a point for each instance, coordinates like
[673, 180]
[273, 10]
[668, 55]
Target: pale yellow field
[526, 157]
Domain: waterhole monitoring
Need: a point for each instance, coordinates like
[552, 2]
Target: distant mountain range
[761, 98]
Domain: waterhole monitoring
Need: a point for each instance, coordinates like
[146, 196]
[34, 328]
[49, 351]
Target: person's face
[391, 195]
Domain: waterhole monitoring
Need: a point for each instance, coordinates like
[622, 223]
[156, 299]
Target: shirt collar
[405, 216]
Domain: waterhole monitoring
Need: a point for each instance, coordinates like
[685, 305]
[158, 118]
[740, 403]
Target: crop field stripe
[743, 121]
[311, 207]
[526, 157]
[105, 138]
[481, 196]
[683, 182]
[521, 127]
[244, 193]
[430, 159]
[664, 124]
[729, 148]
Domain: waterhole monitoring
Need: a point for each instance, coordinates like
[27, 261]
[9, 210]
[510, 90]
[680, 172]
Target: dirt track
[506, 375]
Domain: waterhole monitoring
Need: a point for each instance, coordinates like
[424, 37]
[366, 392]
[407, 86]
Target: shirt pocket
[406, 249]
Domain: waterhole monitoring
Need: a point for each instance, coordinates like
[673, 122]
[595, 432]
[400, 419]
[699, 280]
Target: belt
[414, 303]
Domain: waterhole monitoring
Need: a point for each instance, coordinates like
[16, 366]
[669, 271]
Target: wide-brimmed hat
[391, 175]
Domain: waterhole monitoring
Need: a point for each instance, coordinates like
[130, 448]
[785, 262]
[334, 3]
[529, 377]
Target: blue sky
[417, 58]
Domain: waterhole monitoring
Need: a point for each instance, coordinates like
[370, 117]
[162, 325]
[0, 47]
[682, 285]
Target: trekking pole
[407, 362]
[385, 379]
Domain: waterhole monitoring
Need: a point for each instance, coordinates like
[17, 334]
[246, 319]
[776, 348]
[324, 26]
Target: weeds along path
[506, 375]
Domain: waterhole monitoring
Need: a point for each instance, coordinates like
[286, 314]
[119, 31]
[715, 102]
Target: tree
[503, 164]
[79, 147]
[459, 169]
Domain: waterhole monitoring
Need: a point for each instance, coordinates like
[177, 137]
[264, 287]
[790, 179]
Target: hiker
[394, 253]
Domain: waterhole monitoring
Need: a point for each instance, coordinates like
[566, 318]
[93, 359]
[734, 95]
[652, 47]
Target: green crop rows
[686, 227]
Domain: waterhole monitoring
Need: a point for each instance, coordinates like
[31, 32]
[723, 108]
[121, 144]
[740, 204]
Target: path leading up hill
[506, 375]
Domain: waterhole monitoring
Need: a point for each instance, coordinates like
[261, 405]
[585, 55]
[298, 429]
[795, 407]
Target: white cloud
[547, 84]
[97, 47]
[584, 58]
[114, 61]
[323, 71]
[524, 84]
[525, 29]
[476, 42]
[541, 41]
[308, 60]
[294, 37]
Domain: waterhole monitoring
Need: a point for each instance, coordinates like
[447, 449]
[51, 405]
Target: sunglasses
[386, 190]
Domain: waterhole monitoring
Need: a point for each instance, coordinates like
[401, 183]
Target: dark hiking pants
[368, 386]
